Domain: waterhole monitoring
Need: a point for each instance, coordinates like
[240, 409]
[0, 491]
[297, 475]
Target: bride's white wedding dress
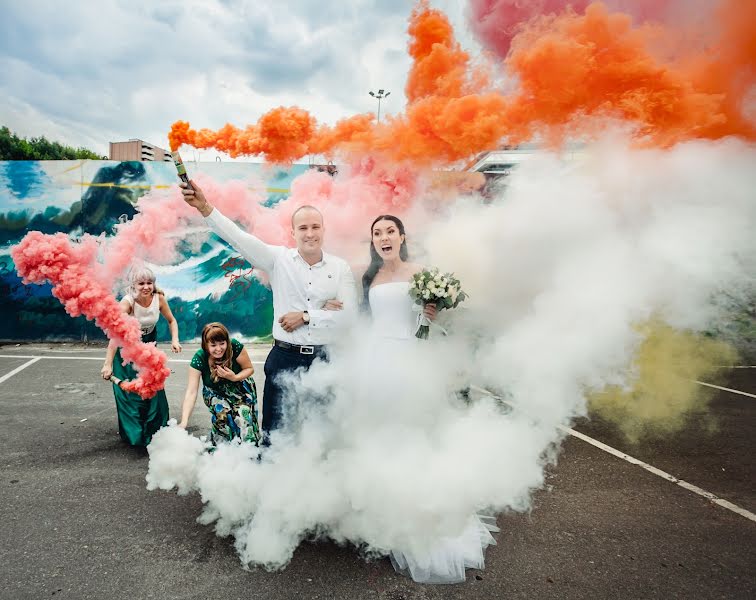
[395, 320]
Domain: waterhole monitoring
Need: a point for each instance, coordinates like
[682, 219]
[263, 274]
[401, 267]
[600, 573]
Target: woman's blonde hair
[217, 332]
[138, 274]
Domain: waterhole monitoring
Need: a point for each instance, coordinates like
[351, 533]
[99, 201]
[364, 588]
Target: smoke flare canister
[180, 168]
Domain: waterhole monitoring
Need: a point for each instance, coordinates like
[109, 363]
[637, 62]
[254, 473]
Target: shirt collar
[294, 253]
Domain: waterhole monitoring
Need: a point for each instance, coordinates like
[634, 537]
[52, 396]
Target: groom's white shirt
[296, 285]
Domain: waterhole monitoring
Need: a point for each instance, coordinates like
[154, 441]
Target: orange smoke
[573, 68]
[439, 130]
[356, 130]
[281, 135]
[450, 114]
[446, 119]
[573, 72]
[440, 68]
[730, 70]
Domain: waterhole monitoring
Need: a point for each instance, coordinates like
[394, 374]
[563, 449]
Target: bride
[395, 319]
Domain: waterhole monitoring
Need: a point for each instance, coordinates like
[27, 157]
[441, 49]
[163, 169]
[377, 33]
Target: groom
[314, 294]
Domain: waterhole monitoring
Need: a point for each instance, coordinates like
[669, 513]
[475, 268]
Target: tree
[13, 147]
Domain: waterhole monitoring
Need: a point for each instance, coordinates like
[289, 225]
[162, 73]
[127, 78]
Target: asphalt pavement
[78, 521]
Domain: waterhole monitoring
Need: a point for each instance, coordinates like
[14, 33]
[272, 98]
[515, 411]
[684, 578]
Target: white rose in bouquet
[430, 286]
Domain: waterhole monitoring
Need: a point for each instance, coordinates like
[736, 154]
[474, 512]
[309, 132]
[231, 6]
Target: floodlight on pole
[379, 95]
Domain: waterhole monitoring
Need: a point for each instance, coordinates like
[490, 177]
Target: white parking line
[711, 385]
[21, 368]
[52, 357]
[650, 468]
[36, 358]
[69, 350]
[663, 474]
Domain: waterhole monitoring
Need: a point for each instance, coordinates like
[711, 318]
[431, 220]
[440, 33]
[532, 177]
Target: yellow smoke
[663, 393]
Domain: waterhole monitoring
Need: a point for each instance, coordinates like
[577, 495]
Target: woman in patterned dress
[229, 392]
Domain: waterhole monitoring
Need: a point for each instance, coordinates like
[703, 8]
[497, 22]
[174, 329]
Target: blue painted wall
[77, 197]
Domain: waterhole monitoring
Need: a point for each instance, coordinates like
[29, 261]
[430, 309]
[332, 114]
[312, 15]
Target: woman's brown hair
[217, 332]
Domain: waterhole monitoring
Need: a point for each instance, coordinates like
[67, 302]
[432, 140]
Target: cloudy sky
[109, 70]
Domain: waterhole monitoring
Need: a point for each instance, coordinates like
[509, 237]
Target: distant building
[497, 165]
[330, 168]
[138, 150]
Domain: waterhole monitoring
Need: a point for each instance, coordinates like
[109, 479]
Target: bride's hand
[430, 311]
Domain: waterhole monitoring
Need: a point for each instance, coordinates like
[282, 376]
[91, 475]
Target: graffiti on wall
[212, 283]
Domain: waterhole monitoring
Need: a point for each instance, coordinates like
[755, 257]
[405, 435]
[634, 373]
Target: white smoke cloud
[577, 253]
[384, 454]
[175, 457]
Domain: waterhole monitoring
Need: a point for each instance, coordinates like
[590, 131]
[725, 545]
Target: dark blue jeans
[280, 361]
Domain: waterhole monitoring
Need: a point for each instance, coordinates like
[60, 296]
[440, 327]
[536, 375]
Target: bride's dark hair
[376, 262]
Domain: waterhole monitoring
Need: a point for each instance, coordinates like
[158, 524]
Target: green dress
[138, 419]
[232, 404]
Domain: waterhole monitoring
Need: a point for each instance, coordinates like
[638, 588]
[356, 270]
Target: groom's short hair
[305, 207]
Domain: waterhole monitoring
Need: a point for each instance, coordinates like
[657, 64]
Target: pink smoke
[69, 268]
[496, 22]
[83, 284]
[348, 202]
[145, 236]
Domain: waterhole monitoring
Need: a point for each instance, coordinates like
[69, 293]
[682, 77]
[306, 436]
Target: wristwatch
[306, 317]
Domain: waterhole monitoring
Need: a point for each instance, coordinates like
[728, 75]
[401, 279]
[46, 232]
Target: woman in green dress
[225, 369]
[139, 419]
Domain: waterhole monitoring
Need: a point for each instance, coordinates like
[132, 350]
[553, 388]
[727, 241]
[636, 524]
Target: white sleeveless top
[147, 317]
[393, 310]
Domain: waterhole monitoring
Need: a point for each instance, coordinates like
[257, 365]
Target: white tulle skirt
[446, 562]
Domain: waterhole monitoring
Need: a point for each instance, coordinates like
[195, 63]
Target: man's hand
[291, 321]
[194, 196]
[333, 304]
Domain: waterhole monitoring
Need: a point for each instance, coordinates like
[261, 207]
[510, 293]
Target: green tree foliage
[13, 147]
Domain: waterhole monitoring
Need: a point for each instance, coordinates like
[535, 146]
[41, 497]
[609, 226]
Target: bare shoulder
[127, 304]
[413, 268]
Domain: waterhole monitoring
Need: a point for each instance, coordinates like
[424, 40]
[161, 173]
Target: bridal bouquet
[430, 286]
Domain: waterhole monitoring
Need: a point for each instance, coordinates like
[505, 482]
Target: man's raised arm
[257, 252]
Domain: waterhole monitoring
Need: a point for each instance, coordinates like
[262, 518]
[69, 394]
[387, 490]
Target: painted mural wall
[212, 283]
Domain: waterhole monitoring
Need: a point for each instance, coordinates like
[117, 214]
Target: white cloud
[98, 72]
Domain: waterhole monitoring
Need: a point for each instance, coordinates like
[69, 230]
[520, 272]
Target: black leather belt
[298, 349]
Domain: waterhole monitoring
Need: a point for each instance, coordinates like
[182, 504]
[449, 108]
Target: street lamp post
[380, 95]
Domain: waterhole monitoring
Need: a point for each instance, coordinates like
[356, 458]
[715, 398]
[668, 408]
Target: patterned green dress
[138, 419]
[232, 404]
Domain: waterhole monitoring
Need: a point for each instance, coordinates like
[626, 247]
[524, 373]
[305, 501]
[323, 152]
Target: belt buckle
[306, 350]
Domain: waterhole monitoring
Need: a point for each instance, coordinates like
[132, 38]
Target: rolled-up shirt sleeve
[347, 294]
[257, 252]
